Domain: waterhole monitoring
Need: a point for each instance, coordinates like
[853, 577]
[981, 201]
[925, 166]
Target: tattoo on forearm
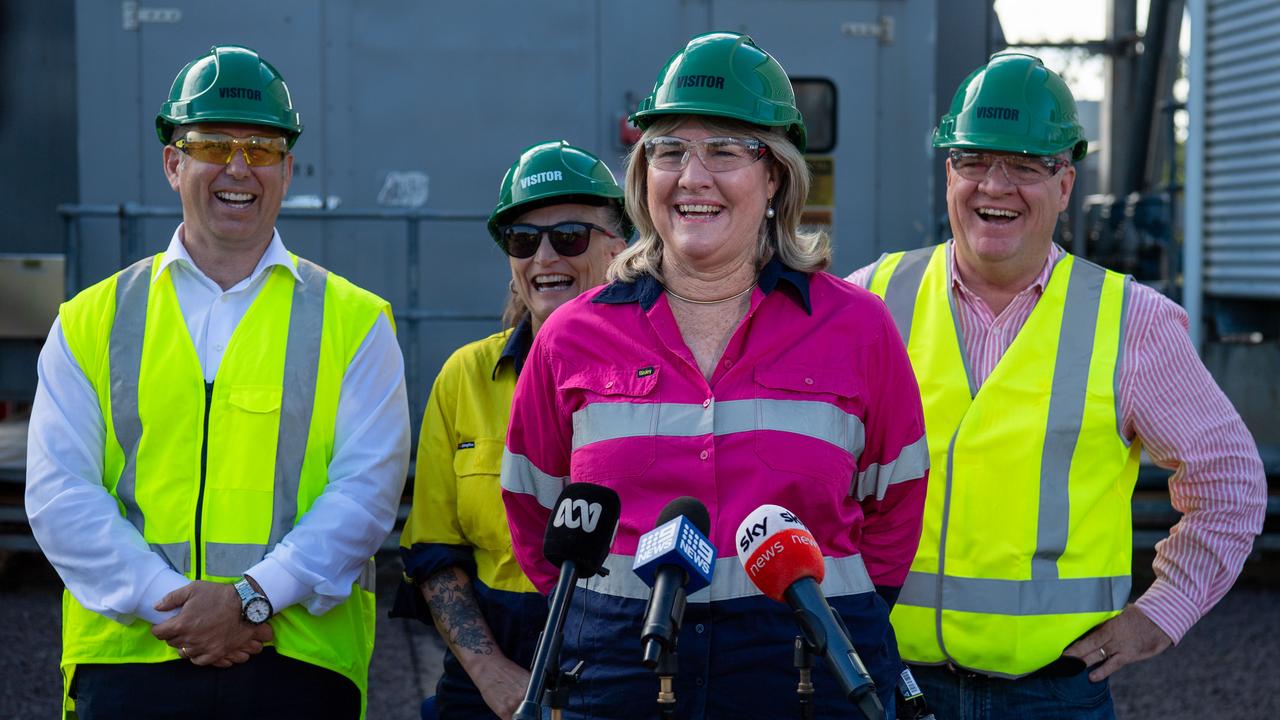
[456, 613]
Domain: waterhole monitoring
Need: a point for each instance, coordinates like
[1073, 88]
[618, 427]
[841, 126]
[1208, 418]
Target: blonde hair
[804, 250]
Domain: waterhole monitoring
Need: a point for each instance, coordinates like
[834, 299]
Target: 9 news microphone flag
[674, 559]
[782, 558]
[578, 539]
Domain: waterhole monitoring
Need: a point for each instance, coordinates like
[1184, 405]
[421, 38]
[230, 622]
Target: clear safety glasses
[718, 154]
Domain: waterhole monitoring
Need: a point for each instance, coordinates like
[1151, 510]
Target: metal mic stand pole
[803, 661]
[666, 670]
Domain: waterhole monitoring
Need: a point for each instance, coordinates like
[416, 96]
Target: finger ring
[183, 652]
[1104, 653]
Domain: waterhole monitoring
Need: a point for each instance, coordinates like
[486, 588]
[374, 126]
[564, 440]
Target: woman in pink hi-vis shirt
[722, 363]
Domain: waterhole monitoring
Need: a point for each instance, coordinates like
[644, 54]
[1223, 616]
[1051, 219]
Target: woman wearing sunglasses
[722, 363]
[560, 220]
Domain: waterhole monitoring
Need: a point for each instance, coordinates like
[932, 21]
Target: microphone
[782, 558]
[675, 559]
[578, 539]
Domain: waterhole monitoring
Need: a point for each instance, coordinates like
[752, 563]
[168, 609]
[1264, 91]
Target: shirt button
[706, 403]
[699, 682]
[609, 384]
[218, 348]
[704, 454]
[728, 363]
[808, 381]
[700, 628]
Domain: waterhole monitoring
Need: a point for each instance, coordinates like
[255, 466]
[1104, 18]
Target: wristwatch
[255, 608]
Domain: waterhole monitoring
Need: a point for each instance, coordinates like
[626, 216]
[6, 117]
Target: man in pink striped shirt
[1023, 352]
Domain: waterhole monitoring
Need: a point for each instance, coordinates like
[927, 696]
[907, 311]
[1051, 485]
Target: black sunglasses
[567, 238]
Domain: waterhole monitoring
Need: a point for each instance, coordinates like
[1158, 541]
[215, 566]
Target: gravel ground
[1227, 667]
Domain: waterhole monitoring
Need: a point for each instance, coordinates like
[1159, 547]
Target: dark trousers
[1059, 692]
[269, 685]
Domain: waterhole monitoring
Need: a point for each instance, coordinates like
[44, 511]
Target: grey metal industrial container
[413, 111]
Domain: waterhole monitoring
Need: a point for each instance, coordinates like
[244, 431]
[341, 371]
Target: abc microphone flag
[577, 541]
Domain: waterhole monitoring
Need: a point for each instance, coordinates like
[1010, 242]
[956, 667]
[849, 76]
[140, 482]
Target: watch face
[257, 611]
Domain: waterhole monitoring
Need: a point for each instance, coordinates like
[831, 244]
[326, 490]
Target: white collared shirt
[106, 564]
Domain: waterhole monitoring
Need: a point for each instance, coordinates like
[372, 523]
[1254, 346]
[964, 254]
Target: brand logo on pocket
[644, 371]
[466, 445]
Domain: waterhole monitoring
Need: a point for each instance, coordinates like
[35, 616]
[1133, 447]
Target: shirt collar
[517, 348]
[276, 254]
[645, 290]
[1038, 283]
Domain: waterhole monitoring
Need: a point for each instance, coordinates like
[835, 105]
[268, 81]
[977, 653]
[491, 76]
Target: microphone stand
[559, 685]
[666, 670]
[546, 665]
[803, 660]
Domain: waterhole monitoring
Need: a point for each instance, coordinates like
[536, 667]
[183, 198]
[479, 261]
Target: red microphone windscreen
[776, 549]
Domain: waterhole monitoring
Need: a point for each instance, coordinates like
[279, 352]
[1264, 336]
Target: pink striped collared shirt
[1186, 424]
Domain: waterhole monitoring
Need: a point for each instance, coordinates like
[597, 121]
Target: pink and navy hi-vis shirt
[813, 406]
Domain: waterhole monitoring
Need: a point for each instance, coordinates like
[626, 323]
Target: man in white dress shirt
[219, 441]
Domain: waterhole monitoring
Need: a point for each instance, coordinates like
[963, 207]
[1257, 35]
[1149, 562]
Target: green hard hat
[727, 75]
[1015, 104]
[552, 173]
[230, 84]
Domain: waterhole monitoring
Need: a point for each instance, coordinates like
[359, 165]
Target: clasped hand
[208, 629]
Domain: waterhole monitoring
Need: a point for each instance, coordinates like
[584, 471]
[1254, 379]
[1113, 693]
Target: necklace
[678, 296]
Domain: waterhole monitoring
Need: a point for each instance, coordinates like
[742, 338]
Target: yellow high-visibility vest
[209, 475]
[1027, 536]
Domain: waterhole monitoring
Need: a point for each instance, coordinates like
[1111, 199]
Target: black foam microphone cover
[583, 522]
[690, 507]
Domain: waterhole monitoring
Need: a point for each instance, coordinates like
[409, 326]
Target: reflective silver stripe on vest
[178, 554]
[368, 576]
[520, 475]
[729, 581]
[598, 422]
[955, 322]
[911, 463]
[124, 349]
[1066, 408]
[301, 368]
[1115, 378]
[230, 559]
[1055, 596]
[904, 285]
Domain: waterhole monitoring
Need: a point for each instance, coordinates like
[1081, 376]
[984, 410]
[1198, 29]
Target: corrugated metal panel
[1242, 137]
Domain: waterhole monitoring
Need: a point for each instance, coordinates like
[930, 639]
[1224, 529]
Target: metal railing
[409, 316]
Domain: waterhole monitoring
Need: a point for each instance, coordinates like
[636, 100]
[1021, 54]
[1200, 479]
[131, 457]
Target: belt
[1062, 667]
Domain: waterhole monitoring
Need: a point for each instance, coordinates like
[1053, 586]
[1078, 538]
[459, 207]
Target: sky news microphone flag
[783, 559]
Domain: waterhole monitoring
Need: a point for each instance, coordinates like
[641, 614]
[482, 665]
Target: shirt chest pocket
[804, 423]
[247, 429]
[616, 424]
[480, 512]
